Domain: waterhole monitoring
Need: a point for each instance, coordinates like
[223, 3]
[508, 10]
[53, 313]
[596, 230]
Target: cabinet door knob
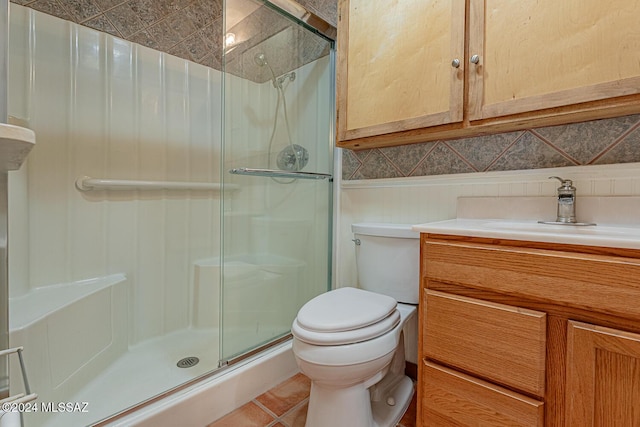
[475, 59]
[455, 63]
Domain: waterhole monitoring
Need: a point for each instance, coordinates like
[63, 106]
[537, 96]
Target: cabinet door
[603, 376]
[395, 68]
[535, 54]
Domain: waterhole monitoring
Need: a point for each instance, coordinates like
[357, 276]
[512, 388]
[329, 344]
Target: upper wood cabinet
[395, 71]
[420, 70]
[537, 54]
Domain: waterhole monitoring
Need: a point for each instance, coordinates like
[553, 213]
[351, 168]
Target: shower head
[260, 59]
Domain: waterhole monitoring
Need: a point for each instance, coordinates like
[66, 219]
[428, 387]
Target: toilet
[349, 341]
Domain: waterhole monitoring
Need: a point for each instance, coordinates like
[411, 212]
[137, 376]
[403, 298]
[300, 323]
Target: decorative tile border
[597, 142]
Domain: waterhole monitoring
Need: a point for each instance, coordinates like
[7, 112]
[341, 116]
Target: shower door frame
[251, 352]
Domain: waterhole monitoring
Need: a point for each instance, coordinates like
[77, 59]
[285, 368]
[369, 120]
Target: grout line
[615, 143]
[112, 7]
[360, 161]
[463, 158]
[558, 150]
[297, 406]
[264, 408]
[424, 158]
[554, 146]
[503, 152]
[391, 162]
[84, 21]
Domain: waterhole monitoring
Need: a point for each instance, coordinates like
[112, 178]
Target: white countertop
[616, 236]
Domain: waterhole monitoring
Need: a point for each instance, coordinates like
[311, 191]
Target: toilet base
[386, 415]
[352, 406]
[391, 397]
[346, 407]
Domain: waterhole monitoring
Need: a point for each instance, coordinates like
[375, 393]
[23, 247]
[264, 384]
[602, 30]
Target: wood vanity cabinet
[603, 367]
[403, 66]
[516, 333]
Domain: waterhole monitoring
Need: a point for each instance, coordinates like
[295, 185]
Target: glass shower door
[277, 166]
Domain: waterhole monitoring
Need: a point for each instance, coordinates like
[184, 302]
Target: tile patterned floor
[285, 405]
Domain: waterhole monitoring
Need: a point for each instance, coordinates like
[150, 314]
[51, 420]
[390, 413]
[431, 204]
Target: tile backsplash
[596, 142]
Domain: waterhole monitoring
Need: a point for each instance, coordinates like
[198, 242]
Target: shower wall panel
[108, 108]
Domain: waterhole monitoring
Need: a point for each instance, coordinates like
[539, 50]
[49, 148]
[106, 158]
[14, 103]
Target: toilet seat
[346, 337]
[345, 316]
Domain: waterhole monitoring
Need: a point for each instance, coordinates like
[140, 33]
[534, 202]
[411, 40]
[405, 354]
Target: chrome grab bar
[86, 183]
[275, 173]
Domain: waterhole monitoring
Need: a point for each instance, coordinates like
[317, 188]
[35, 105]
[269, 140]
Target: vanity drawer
[498, 342]
[594, 279]
[453, 398]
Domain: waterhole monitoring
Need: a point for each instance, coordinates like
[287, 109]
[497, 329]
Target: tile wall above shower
[190, 29]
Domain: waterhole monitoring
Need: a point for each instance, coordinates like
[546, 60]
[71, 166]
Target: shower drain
[187, 362]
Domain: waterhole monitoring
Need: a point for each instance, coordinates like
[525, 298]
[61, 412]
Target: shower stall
[174, 214]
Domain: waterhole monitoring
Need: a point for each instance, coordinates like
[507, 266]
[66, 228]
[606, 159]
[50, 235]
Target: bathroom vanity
[527, 325]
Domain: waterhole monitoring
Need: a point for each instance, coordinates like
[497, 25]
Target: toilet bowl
[350, 343]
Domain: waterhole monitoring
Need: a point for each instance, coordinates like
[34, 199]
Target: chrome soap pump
[566, 201]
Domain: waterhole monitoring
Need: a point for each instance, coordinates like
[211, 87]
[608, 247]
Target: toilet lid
[347, 337]
[345, 309]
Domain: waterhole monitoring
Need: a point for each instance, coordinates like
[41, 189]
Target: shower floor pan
[139, 374]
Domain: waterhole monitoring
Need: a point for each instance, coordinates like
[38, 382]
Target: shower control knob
[475, 59]
[455, 63]
[292, 158]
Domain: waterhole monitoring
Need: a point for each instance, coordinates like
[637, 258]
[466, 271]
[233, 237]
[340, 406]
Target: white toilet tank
[388, 260]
